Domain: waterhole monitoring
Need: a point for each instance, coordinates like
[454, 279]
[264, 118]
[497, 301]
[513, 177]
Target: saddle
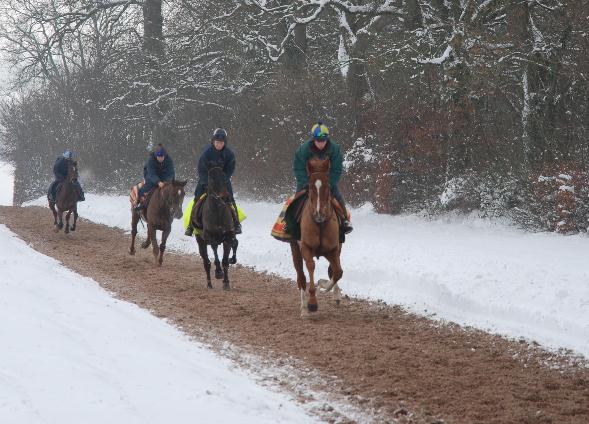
[144, 200]
[197, 211]
[287, 227]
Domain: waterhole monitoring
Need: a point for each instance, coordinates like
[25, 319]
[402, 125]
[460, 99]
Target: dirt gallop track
[394, 366]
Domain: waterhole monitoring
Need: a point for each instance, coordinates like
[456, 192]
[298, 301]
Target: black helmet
[220, 134]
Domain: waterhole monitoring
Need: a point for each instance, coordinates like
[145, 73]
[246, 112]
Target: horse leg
[165, 235]
[67, 221]
[297, 260]
[52, 207]
[147, 242]
[310, 262]
[335, 273]
[234, 244]
[226, 252]
[204, 254]
[218, 270]
[134, 221]
[154, 246]
[75, 218]
[60, 222]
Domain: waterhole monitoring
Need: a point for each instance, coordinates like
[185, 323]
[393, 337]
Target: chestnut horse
[320, 236]
[217, 227]
[165, 205]
[66, 199]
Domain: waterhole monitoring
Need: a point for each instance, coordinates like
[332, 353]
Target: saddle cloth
[134, 194]
[188, 214]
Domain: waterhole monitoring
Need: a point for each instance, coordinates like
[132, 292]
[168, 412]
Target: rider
[216, 154]
[60, 171]
[323, 147]
[158, 168]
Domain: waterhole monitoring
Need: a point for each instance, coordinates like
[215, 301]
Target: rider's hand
[160, 184]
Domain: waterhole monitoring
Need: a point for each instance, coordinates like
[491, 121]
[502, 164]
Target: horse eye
[179, 193]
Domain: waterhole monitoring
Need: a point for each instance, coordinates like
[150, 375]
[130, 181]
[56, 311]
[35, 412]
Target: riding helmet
[220, 134]
[320, 131]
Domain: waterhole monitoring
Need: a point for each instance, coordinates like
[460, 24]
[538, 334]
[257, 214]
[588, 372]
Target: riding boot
[236, 223]
[189, 230]
[346, 226]
[81, 197]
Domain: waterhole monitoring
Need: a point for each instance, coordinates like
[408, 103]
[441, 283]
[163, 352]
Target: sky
[72, 353]
[464, 269]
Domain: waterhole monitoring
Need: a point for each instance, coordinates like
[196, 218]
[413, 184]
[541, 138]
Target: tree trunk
[153, 39]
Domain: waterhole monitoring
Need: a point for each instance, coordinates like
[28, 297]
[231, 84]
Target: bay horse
[217, 227]
[165, 205]
[66, 199]
[320, 236]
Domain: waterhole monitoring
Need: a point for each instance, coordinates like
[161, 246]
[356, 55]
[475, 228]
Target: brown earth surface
[362, 361]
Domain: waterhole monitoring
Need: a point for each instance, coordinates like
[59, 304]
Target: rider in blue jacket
[158, 168]
[216, 154]
[60, 171]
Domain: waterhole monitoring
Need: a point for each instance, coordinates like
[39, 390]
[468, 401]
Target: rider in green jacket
[323, 147]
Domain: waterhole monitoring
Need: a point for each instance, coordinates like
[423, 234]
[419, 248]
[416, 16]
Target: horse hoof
[145, 245]
[131, 252]
[218, 275]
[312, 307]
[233, 261]
[209, 285]
[73, 229]
[226, 287]
[337, 302]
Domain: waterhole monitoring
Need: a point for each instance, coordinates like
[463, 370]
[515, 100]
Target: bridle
[168, 201]
[330, 210]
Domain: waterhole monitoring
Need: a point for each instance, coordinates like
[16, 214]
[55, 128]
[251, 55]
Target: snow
[438, 60]
[471, 271]
[73, 353]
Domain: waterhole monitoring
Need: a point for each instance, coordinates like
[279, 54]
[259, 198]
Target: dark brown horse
[66, 199]
[165, 205]
[319, 237]
[217, 227]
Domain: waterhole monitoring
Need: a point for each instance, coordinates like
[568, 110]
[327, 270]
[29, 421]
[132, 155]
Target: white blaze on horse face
[318, 187]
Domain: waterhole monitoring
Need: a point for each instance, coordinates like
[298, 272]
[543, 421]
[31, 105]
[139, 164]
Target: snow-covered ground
[71, 353]
[7, 186]
[467, 270]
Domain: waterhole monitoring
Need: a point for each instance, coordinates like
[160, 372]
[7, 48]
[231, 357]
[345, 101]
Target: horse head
[319, 191]
[173, 194]
[217, 181]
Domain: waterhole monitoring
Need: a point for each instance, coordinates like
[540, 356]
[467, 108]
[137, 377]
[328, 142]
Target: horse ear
[183, 183]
